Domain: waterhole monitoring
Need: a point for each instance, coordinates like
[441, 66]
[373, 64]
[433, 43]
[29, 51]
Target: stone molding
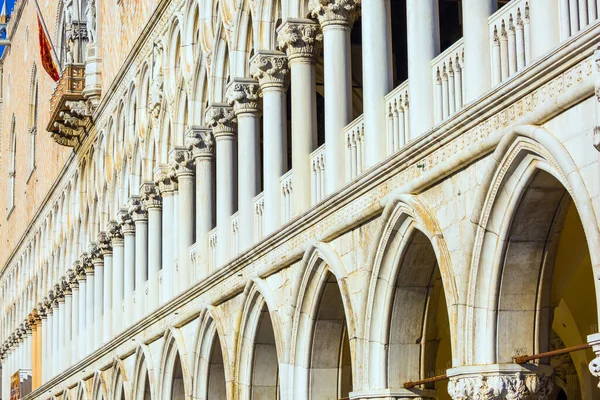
[182, 162]
[271, 70]
[220, 118]
[244, 95]
[201, 142]
[150, 196]
[136, 210]
[501, 382]
[335, 12]
[301, 39]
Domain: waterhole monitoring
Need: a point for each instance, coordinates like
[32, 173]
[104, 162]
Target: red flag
[46, 53]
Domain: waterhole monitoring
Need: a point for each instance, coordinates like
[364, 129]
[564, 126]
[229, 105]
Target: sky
[9, 7]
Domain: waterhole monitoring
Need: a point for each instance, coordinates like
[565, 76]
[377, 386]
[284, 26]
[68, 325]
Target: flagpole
[46, 31]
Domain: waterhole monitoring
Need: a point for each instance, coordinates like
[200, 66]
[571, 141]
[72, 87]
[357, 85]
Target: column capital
[270, 68]
[181, 161]
[115, 233]
[127, 224]
[59, 296]
[47, 300]
[104, 243]
[72, 277]
[335, 12]
[164, 179]
[300, 38]
[244, 94]
[65, 286]
[136, 209]
[201, 142]
[500, 382]
[79, 271]
[150, 196]
[86, 263]
[95, 253]
[219, 117]
[41, 309]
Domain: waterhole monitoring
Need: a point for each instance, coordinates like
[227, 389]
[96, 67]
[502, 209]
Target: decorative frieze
[300, 39]
[335, 12]
[270, 68]
[220, 118]
[244, 95]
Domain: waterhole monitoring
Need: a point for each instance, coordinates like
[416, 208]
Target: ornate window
[12, 158]
[33, 118]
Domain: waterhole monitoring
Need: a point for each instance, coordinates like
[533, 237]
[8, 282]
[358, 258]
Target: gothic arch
[324, 275]
[132, 128]
[241, 40]
[143, 385]
[174, 58]
[118, 389]
[82, 393]
[219, 69]
[518, 160]
[99, 387]
[267, 13]
[174, 352]
[199, 97]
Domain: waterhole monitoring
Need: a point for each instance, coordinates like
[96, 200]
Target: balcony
[69, 110]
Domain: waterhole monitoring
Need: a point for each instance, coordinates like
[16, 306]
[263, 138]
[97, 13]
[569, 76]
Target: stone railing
[355, 147]
[317, 176]
[448, 82]
[286, 196]
[396, 105]
[235, 237]
[161, 298]
[259, 208]
[212, 249]
[510, 40]
[576, 15]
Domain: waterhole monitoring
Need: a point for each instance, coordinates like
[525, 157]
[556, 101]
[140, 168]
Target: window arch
[33, 117]
[12, 157]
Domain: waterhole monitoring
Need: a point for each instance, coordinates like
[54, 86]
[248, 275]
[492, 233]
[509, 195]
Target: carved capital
[300, 39]
[150, 196]
[201, 142]
[71, 275]
[104, 243]
[79, 270]
[41, 309]
[65, 286]
[164, 179]
[501, 382]
[136, 209]
[220, 118]
[115, 233]
[270, 68]
[86, 263]
[181, 161]
[244, 95]
[95, 253]
[335, 12]
[127, 224]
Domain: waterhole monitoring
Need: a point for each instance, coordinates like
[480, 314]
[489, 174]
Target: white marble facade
[451, 226]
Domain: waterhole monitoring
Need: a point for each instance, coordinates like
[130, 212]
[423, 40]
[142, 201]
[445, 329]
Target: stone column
[477, 67]
[378, 78]
[90, 283]
[116, 236]
[220, 118]
[545, 26]
[201, 142]
[98, 265]
[74, 284]
[167, 186]
[105, 245]
[81, 332]
[183, 165]
[128, 228]
[61, 332]
[336, 18]
[153, 204]
[423, 43]
[271, 70]
[55, 353]
[501, 381]
[68, 314]
[139, 216]
[242, 94]
[302, 40]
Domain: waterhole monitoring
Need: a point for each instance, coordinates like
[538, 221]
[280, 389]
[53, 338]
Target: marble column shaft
[105, 245]
[128, 228]
[167, 186]
[139, 215]
[153, 204]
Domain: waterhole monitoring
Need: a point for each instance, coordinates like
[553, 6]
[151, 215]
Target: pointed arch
[99, 390]
[175, 379]
[143, 385]
[119, 381]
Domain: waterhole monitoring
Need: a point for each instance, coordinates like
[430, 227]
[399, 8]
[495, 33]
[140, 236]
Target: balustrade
[317, 176]
[235, 237]
[576, 15]
[286, 196]
[212, 249]
[396, 105]
[510, 38]
[259, 207]
[448, 85]
[355, 148]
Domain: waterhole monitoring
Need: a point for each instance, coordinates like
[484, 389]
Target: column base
[501, 381]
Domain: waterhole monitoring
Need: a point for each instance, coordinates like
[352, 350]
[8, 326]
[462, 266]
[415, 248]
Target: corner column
[139, 216]
[220, 118]
[153, 203]
[302, 40]
[336, 18]
[423, 44]
[242, 94]
[118, 245]
[105, 245]
[128, 228]
[183, 166]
